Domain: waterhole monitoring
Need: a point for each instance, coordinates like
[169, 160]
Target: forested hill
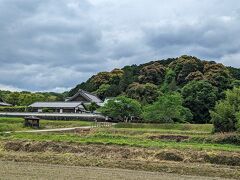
[143, 81]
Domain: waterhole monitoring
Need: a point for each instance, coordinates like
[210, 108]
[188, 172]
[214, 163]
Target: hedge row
[13, 109]
[221, 138]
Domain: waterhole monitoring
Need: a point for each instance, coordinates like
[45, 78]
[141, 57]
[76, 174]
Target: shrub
[223, 118]
[199, 97]
[226, 114]
[13, 109]
[229, 138]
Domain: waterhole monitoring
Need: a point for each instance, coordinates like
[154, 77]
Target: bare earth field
[19, 170]
[196, 163]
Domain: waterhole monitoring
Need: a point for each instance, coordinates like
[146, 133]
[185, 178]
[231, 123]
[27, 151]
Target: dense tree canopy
[167, 109]
[145, 93]
[226, 114]
[153, 73]
[199, 97]
[184, 66]
[200, 82]
[26, 98]
[121, 108]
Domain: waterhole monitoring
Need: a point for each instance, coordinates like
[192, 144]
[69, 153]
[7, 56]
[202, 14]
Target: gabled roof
[57, 105]
[88, 96]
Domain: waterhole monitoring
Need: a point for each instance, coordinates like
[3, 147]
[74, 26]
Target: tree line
[184, 89]
[26, 98]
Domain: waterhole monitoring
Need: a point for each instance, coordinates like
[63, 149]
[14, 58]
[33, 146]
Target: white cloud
[54, 45]
[9, 88]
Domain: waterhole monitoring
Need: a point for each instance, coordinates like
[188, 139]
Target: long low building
[72, 104]
[61, 107]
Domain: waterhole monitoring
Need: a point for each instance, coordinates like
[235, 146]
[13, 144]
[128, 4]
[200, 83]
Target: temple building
[74, 104]
[85, 97]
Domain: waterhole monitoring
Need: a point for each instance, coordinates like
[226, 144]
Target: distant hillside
[169, 74]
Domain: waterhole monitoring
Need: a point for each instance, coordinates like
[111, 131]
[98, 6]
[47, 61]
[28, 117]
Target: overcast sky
[52, 45]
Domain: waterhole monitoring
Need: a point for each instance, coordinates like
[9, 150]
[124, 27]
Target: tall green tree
[145, 93]
[184, 66]
[167, 109]
[169, 84]
[226, 114]
[199, 97]
[121, 108]
[153, 73]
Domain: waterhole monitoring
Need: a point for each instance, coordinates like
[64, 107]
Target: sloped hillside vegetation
[201, 83]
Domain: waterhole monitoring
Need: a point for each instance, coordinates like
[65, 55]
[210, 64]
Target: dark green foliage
[184, 66]
[169, 84]
[201, 83]
[130, 75]
[145, 93]
[13, 109]
[102, 91]
[93, 107]
[234, 72]
[121, 108]
[106, 90]
[96, 82]
[236, 83]
[153, 73]
[199, 97]
[171, 75]
[167, 109]
[197, 75]
[26, 98]
[223, 117]
[218, 75]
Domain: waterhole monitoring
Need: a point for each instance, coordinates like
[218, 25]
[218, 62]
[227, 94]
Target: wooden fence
[103, 124]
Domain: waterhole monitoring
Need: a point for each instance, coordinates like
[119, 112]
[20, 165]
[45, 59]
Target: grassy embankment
[16, 124]
[177, 136]
[184, 148]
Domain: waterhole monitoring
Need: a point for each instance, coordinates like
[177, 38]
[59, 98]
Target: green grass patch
[16, 124]
[168, 128]
[106, 138]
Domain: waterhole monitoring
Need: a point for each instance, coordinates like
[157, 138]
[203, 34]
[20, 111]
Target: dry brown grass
[19, 170]
[190, 162]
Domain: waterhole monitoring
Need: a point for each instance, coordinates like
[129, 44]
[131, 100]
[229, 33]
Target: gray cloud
[54, 45]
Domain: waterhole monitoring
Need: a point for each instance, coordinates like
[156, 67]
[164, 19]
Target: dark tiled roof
[88, 96]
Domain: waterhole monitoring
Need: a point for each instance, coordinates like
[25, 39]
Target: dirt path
[57, 130]
[53, 130]
[17, 170]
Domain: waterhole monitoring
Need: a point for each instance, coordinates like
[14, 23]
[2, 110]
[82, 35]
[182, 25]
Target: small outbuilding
[31, 121]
